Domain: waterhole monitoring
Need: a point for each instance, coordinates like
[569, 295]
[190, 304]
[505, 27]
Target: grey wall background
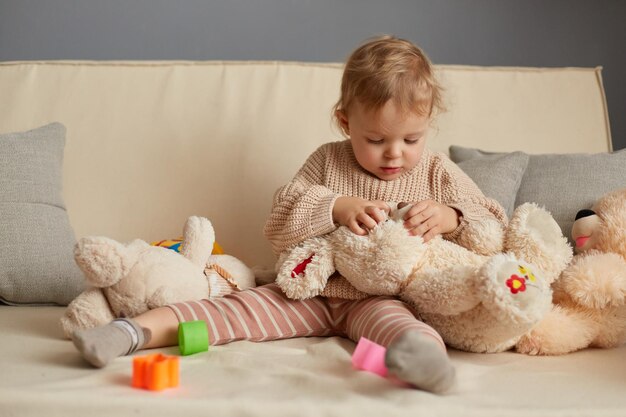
[475, 32]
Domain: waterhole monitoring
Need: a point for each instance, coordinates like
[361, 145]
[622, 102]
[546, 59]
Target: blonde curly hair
[390, 68]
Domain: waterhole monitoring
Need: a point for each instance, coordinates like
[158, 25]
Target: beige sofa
[150, 143]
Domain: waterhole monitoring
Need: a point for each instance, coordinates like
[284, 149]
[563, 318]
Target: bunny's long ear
[305, 269]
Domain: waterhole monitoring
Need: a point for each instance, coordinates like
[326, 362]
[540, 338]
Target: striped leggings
[265, 313]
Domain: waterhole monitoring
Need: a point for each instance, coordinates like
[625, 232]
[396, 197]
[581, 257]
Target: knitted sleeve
[302, 208]
[461, 193]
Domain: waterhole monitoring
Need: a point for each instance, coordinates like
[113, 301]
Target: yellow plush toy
[590, 295]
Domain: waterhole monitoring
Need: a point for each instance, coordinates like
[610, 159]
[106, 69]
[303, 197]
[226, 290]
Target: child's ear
[342, 118]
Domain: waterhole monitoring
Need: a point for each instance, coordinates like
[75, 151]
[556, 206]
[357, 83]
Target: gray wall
[482, 32]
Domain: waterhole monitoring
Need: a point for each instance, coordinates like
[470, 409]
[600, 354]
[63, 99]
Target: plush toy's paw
[513, 289]
[533, 234]
[303, 272]
[530, 344]
[559, 332]
[595, 280]
[484, 237]
[89, 309]
[198, 240]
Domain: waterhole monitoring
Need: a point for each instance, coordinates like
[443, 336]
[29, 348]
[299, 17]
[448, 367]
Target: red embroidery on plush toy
[299, 269]
[516, 284]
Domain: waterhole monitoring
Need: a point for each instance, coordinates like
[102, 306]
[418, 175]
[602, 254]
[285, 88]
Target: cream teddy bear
[129, 279]
[478, 303]
[590, 295]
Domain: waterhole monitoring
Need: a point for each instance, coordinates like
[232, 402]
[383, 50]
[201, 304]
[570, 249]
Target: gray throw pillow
[497, 175]
[565, 183]
[36, 245]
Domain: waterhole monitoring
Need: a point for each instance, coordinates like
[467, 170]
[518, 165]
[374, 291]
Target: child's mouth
[391, 170]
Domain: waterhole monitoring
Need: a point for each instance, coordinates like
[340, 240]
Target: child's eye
[411, 141]
[375, 141]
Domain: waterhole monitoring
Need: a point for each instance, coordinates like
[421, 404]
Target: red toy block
[155, 372]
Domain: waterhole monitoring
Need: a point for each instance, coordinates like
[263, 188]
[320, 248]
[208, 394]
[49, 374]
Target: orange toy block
[155, 372]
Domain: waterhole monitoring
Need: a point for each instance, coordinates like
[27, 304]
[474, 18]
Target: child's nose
[393, 151]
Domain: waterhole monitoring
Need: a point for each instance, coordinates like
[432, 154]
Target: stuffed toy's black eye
[584, 213]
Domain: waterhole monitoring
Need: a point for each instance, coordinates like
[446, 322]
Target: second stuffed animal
[590, 295]
[129, 279]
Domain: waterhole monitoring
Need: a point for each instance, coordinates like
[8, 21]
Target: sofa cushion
[36, 249]
[217, 138]
[562, 183]
[502, 187]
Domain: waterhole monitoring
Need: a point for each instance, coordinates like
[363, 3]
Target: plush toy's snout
[587, 222]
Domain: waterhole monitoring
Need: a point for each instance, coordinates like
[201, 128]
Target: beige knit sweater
[303, 207]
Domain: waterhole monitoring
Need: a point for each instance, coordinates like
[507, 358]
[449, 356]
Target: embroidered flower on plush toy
[516, 284]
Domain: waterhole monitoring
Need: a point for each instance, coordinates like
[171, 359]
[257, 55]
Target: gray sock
[418, 359]
[102, 344]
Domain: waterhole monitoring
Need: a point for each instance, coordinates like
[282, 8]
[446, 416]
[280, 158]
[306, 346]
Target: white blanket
[43, 375]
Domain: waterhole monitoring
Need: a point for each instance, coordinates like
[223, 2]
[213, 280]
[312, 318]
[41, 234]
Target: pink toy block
[369, 356]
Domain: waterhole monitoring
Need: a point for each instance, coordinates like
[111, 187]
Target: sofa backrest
[151, 143]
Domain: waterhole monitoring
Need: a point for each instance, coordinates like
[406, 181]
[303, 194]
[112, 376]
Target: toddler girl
[389, 97]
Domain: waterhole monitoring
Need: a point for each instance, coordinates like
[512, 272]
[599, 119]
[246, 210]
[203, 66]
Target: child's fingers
[426, 223]
[418, 209]
[415, 219]
[377, 214]
[419, 206]
[366, 221]
[429, 219]
[430, 234]
[422, 228]
[382, 206]
[356, 228]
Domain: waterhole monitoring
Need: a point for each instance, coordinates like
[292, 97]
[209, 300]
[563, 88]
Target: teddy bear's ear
[104, 261]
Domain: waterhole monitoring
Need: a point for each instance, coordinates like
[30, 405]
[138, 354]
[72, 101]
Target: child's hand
[429, 218]
[359, 215]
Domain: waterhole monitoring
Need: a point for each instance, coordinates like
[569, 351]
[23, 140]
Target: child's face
[386, 142]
